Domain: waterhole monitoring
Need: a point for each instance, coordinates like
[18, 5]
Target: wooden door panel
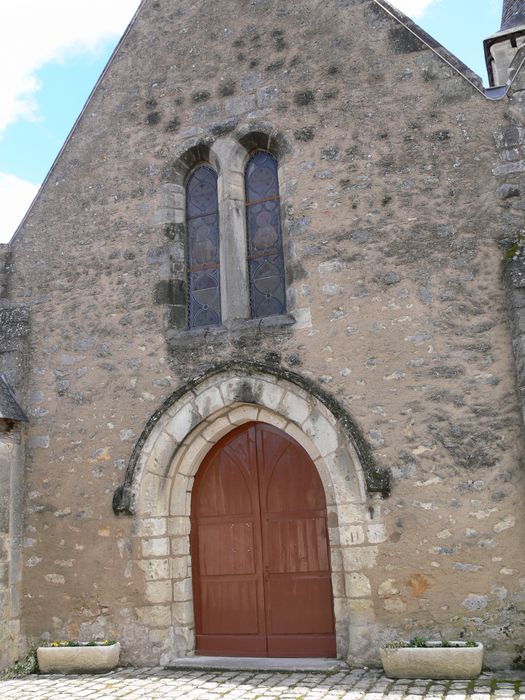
[226, 549]
[313, 616]
[292, 481]
[298, 587]
[225, 489]
[297, 545]
[302, 646]
[222, 601]
[261, 578]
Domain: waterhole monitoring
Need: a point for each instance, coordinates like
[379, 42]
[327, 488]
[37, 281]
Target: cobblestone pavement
[159, 684]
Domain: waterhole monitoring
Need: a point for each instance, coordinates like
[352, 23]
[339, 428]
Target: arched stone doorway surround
[159, 497]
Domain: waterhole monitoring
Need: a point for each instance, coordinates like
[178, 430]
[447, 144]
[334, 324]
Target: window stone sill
[195, 337]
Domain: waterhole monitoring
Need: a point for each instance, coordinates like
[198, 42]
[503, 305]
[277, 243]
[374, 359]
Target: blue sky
[47, 77]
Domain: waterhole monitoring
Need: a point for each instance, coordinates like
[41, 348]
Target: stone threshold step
[256, 663]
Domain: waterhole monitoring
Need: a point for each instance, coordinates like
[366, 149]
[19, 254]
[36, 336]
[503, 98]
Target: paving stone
[163, 684]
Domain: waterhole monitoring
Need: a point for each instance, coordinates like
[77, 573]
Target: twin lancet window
[265, 262]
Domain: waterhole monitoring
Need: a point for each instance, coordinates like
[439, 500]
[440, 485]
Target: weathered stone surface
[394, 335]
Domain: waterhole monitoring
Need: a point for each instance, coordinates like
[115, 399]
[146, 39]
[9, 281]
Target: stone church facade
[295, 218]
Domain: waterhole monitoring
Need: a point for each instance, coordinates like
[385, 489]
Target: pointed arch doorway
[259, 545]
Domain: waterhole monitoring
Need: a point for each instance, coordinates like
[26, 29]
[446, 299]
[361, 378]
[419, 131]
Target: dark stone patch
[441, 135]
[445, 372]
[200, 96]
[304, 97]
[294, 360]
[278, 37]
[295, 271]
[153, 118]
[173, 231]
[276, 65]
[403, 41]
[170, 292]
[177, 317]
[307, 133]
[330, 153]
[151, 103]
[224, 127]
[173, 124]
[227, 89]
[508, 191]
[391, 278]
[333, 70]
[246, 394]
[273, 358]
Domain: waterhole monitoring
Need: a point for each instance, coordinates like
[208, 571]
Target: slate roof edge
[449, 58]
[79, 118]
[9, 407]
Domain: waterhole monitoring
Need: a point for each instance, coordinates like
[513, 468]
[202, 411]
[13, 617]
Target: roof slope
[513, 13]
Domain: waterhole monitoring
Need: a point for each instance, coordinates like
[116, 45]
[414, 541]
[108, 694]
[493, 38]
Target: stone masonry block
[295, 408]
[243, 414]
[180, 546]
[150, 527]
[161, 453]
[183, 422]
[352, 535]
[209, 401]
[180, 486]
[183, 613]
[158, 547]
[361, 611]
[155, 569]
[179, 567]
[155, 615]
[357, 585]
[182, 590]
[358, 558]
[376, 533]
[159, 591]
[321, 432]
[179, 526]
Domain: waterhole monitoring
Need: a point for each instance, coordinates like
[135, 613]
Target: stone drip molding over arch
[248, 390]
[159, 483]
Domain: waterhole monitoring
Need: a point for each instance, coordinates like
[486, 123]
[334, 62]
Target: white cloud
[15, 197]
[34, 32]
[413, 8]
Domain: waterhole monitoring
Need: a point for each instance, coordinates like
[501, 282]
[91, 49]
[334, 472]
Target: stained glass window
[202, 220]
[265, 247]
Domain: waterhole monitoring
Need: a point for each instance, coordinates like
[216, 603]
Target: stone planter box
[81, 659]
[434, 661]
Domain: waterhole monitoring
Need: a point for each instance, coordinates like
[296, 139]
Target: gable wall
[394, 279]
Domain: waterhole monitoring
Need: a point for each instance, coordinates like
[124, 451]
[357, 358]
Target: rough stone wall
[14, 359]
[391, 225]
[11, 509]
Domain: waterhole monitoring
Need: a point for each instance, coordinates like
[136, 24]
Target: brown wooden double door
[260, 557]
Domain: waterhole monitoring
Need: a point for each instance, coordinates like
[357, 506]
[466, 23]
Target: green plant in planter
[418, 642]
[422, 643]
[70, 643]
